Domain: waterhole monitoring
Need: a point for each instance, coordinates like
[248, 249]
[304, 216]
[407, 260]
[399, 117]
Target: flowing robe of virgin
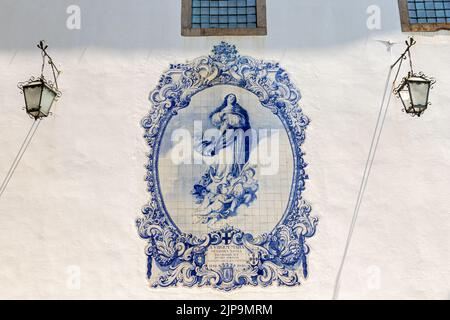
[232, 150]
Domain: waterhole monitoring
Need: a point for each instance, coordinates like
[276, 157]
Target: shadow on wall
[144, 24]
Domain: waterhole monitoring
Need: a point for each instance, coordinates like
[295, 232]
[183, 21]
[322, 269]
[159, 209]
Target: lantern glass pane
[32, 94]
[406, 99]
[419, 92]
[48, 96]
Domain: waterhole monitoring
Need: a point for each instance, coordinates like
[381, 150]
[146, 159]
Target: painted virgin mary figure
[229, 182]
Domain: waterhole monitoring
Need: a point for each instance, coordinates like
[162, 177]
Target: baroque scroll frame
[275, 257]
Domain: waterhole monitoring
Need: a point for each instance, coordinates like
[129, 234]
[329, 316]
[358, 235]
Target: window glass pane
[428, 11]
[229, 14]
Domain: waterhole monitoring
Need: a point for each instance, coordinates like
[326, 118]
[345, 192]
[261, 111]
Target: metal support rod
[43, 46]
[387, 95]
[409, 43]
[26, 142]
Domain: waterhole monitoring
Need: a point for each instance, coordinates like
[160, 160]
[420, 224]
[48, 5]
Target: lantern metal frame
[41, 81]
[411, 107]
[405, 84]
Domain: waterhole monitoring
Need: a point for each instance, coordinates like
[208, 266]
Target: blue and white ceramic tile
[226, 210]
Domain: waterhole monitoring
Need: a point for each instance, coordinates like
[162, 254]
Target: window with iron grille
[223, 17]
[425, 15]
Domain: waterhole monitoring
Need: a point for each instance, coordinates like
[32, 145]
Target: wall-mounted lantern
[40, 93]
[414, 92]
[414, 89]
[39, 96]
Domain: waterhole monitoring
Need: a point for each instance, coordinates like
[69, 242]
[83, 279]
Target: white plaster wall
[75, 196]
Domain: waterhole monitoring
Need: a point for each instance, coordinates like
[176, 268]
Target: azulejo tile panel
[225, 176]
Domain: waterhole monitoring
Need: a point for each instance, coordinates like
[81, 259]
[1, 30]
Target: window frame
[188, 31]
[417, 27]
